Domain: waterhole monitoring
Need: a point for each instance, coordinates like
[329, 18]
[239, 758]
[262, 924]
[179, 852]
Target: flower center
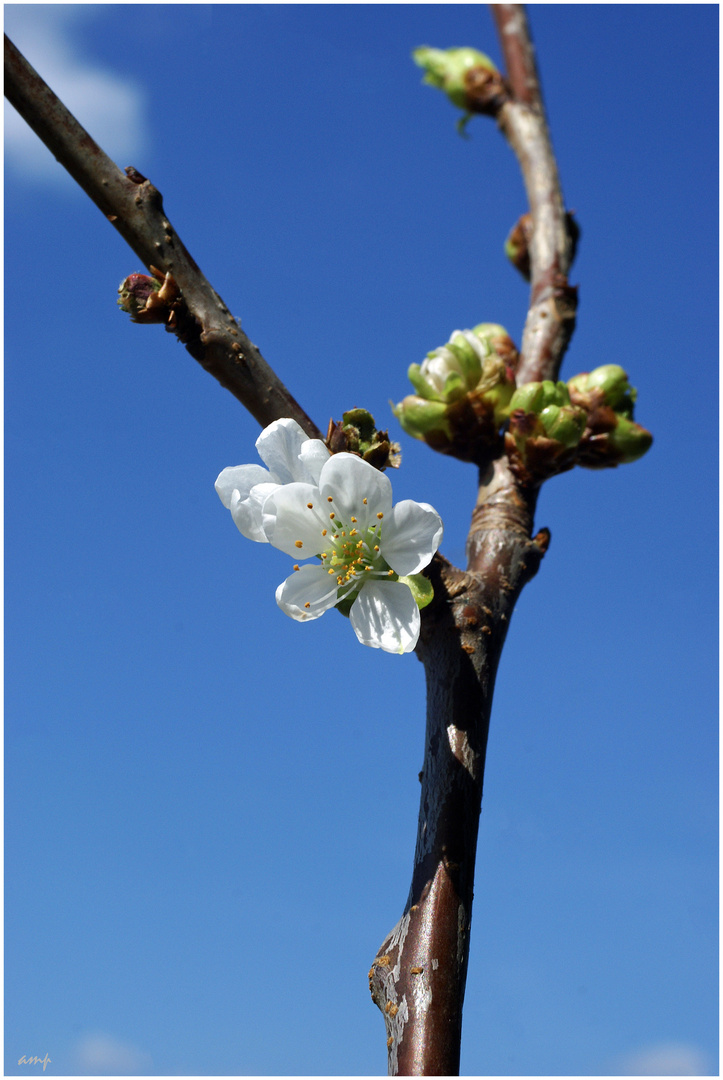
[352, 554]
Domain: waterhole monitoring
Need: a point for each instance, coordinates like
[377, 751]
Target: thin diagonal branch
[553, 302]
[135, 208]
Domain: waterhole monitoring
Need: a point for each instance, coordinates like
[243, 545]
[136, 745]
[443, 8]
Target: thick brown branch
[553, 302]
[418, 976]
[135, 208]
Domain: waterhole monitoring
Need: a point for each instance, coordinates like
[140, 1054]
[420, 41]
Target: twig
[553, 302]
[135, 208]
[418, 976]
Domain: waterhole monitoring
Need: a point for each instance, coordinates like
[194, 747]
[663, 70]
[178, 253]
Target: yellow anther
[380, 516]
[295, 567]
[364, 501]
[307, 604]
[298, 543]
[353, 521]
[310, 505]
[330, 498]
[323, 532]
[376, 547]
[330, 571]
[354, 532]
[390, 573]
[332, 515]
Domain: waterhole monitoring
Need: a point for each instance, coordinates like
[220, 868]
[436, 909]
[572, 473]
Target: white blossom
[289, 454]
[341, 515]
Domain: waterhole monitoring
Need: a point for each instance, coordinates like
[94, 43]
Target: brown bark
[418, 976]
[135, 208]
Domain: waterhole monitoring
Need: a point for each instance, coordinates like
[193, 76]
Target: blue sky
[211, 809]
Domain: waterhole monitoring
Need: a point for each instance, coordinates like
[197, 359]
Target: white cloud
[110, 108]
[666, 1059]
[97, 1054]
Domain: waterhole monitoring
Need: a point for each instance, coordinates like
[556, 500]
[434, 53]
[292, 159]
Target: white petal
[312, 457]
[240, 478]
[292, 525]
[307, 593]
[279, 445]
[349, 481]
[247, 513]
[385, 616]
[410, 536]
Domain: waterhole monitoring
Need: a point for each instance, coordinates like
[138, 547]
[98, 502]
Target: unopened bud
[533, 397]
[564, 423]
[135, 291]
[356, 433]
[611, 382]
[419, 417]
[629, 440]
[449, 70]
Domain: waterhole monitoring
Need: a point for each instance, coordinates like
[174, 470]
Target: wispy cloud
[98, 1054]
[111, 108]
[666, 1059]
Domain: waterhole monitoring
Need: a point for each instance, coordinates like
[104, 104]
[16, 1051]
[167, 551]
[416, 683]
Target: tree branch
[418, 976]
[135, 208]
[553, 302]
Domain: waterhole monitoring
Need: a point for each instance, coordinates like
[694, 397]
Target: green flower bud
[356, 433]
[447, 69]
[496, 387]
[468, 357]
[564, 423]
[533, 397]
[629, 440]
[419, 416]
[612, 382]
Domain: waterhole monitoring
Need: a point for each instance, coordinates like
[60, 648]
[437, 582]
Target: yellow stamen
[364, 501]
[307, 604]
[353, 521]
[332, 516]
[380, 516]
[298, 543]
[323, 532]
[330, 498]
[390, 573]
[295, 567]
[376, 547]
[310, 505]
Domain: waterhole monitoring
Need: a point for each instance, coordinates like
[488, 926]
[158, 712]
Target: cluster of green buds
[470, 79]
[586, 421]
[611, 435]
[462, 393]
[356, 433]
[545, 428]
